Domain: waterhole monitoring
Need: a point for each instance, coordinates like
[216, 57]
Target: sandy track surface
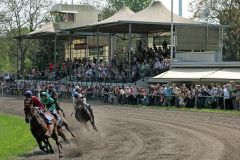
[127, 133]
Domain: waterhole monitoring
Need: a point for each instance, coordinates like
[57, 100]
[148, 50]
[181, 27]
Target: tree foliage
[19, 17]
[134, 5]
[114, 5]
[225, 12]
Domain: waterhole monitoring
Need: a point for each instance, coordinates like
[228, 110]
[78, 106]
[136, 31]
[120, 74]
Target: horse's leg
[46, 145]
[94, 126]
[67, 127]
[90, 115]
[40, 145]
[61, 134]
[55, 137]
[50, 146]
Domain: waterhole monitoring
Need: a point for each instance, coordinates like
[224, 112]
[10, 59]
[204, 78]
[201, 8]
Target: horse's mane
[27, 102]
[37, 115]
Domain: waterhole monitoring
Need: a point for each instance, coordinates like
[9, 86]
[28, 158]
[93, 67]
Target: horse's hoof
[95, 128]
[44, 148]
[51, 151]
[60, 155]
[74, 135]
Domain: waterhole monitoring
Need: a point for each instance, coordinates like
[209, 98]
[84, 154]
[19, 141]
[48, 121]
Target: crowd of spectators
[144, 62]
[225, 96]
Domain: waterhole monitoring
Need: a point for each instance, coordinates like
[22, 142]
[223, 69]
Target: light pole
[206, 13]
[171, 53]
[180, 8]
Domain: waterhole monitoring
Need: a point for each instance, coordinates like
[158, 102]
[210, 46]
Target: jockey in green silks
[50, 105]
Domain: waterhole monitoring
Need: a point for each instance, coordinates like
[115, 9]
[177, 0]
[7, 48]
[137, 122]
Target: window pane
[70, 17]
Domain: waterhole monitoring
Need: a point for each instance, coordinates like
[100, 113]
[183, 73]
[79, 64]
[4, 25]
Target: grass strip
[15, 137]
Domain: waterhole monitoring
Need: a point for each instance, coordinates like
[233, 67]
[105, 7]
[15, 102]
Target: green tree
[134, 5]
[114, 5]
[224, 12]
[5, 65]
[19, 17]
[44, 55]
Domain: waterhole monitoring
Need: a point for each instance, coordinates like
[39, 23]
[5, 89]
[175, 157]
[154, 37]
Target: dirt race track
[127, 133]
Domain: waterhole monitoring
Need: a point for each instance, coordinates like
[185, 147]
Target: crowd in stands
[7, 77]
[144, 62]
[225, 96]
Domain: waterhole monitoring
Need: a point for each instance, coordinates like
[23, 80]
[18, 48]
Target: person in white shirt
[226, 96]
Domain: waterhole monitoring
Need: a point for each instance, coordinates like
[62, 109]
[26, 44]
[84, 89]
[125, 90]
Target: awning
[68, 12]
[184, 74]
[154, 18]
[225, 74]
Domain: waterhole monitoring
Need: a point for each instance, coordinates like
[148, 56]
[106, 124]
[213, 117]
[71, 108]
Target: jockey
[76, 89]
[36, 103]
[34, 99]
[77, 95]
[53, 94]
[50, 104]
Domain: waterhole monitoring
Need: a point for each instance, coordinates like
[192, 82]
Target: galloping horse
[39, 127]
[83, 115]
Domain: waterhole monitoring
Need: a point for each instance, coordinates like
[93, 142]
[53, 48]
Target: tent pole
[70, 57]
[129, 50]
[171, 54]
[55, 54]
[98, 54]
[17, 54]
[85, 47]
[35, 54]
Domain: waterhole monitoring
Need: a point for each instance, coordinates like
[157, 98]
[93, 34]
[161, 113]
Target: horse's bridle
[28, 106]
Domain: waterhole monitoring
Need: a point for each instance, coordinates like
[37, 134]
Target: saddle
[47, 117]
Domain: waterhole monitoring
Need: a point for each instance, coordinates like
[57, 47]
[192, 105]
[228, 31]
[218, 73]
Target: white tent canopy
[122, 14]
[156, 17]
[158, 13]
[198, 74]
[224, 74]
[184, 74]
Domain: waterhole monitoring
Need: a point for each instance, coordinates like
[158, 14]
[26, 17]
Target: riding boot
[49, 132]
[57, 117]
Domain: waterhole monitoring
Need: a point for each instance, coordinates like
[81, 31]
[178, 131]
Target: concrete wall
[84, 15]
[198, 57]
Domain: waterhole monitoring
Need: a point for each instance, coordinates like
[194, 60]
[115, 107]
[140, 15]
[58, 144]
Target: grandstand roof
[156, 17]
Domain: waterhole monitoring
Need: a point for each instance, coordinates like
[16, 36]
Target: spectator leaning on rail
[167, 95]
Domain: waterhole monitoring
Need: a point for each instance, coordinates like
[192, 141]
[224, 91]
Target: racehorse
[39, 127]
[83, 115]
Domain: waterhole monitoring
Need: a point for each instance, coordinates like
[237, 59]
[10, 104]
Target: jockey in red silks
[36, 102]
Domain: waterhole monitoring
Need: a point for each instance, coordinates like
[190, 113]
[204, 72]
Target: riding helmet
[28, 93]
[77, 87]
[43, 94]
